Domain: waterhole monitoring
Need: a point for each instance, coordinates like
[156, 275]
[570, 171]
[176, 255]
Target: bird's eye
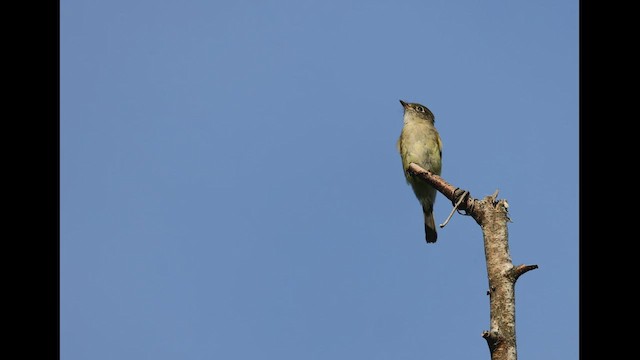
[420, 108]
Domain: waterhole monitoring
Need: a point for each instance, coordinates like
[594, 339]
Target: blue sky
[230, 186]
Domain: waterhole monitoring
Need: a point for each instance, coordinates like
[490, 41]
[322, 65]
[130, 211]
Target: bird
[420, 143]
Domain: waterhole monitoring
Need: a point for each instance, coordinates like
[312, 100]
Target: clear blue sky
[230, 186]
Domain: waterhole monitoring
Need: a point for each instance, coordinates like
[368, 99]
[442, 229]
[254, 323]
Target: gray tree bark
[492, 216]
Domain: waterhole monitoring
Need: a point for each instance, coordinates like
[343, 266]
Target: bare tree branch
[521, 269]
[492, 216]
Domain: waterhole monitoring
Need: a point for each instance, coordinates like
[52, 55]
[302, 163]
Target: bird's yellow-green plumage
[420, 143]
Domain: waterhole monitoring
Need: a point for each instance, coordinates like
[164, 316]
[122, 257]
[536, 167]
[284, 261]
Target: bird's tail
[430, 227]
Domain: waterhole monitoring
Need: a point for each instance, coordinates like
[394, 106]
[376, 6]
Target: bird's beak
[404, 104]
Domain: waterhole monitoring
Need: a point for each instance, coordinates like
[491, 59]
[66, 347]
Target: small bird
[420, 143]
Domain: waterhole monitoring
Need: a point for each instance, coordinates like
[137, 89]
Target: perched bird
[420, 143]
